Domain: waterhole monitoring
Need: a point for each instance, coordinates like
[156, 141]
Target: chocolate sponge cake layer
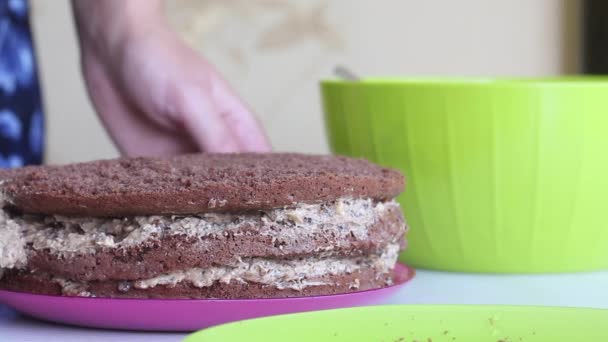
[336, 284]
[195, 184]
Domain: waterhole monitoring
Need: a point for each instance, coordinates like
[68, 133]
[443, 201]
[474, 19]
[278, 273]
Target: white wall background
[276, 51]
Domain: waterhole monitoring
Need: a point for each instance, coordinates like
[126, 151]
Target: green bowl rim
[551, 81]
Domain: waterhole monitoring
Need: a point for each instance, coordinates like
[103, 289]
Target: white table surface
[582, 289]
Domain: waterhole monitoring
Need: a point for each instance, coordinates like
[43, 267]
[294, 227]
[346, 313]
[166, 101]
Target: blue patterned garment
[21, 116]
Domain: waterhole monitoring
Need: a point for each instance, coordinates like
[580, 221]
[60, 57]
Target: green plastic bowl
[421, 323]
[507, 175]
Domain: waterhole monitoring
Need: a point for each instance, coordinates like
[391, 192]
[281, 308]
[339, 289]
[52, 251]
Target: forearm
[106, 25]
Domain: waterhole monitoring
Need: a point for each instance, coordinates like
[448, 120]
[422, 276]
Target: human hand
[154, 94]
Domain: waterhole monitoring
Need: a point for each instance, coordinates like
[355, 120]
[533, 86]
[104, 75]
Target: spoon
[345, 74]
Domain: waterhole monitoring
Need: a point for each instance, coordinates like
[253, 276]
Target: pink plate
[182, 314]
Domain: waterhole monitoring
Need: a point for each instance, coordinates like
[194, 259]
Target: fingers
[132, 135]
[217, 119]
[242, 124]
[204, 124]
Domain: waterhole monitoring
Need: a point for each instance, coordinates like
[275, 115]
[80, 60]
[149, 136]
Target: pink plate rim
[183, 314]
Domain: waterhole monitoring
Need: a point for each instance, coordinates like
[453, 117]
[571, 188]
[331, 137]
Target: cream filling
[12, 245]
[70, 235]
[72, 288]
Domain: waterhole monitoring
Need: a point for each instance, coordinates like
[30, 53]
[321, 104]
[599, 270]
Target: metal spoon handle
[345, 74]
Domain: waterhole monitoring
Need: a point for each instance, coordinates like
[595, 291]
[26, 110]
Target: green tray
[423, 323]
